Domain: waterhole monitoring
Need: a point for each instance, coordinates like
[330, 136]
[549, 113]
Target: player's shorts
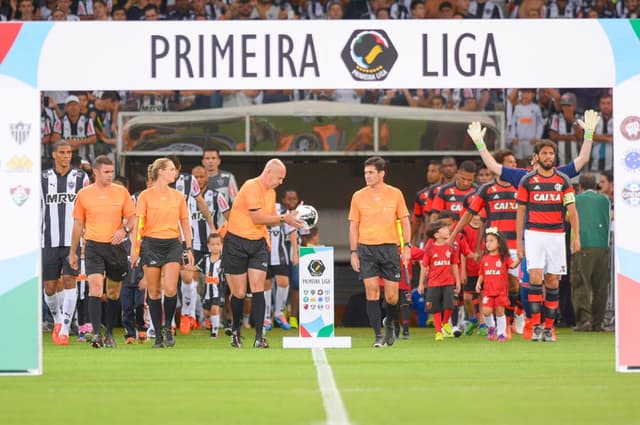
[240, 254]
[279, 270]
[379, 260]
[156, 252]
[493, 301]
[514, 257]
[213, 295]
[294, 277]
[103, 257]
[470, 286]
[55, 262]
[546, 251]
[440, 298]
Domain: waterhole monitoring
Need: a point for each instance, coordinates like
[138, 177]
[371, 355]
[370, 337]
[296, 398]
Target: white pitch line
[334, 408]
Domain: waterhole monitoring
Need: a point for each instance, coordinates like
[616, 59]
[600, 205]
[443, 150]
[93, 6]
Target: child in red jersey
[494, 284]
[439, 272]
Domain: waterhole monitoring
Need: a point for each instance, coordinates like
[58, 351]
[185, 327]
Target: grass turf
[466, 380]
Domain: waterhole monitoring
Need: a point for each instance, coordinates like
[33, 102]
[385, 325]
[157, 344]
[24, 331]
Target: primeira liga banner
[321, 54]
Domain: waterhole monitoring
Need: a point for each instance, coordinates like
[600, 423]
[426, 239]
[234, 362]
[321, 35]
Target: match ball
[308, 214]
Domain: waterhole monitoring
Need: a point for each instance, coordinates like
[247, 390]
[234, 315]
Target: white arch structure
[299, 55]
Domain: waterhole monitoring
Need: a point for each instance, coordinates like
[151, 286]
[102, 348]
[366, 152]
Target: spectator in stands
[265, 9]
[525, 125]
[239, 97]
[590, 266]
[100, 11]
[242, 10]
[417, 10]
[26, 11]
[199, 8]
[462, 8]
[372, 8]
[118, 14]
[152, 100]
[151, 12]
[354, 9]
[65, 7]
[599, 9]
[629, 9]
[400, 97]
[401, 9]
[563, 9]
[77, 129]
[136, 11]
[58, 15]
[602, 151]
[606, 184]
[564, 129]
[335, 10]
[548, 100]
[383, 13]
[180, 12]
[485, 9]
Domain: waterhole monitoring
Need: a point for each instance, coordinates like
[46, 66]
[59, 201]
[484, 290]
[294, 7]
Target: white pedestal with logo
[317, 295]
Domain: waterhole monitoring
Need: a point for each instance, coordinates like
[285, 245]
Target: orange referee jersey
[161, 210]
[252, 196]
[376, 211]
[102, 210]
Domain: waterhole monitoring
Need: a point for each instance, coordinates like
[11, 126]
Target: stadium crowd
[180, 10]
[79, 127]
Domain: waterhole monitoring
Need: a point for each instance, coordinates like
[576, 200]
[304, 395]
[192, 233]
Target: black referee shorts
[379, 261]
[240, 254]
[156, 252]
[103, 257]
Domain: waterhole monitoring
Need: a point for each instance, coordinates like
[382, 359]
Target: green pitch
[201, 381]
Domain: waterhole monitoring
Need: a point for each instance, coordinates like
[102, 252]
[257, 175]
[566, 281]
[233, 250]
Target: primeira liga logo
[369, 55]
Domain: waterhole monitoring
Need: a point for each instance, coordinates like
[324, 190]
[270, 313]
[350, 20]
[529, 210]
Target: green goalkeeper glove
[591, 119]
[477, 132]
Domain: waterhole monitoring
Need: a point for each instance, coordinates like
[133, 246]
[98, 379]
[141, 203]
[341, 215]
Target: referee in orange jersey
[98, 213]
[373, 241]
[245, 252]
[163, 217]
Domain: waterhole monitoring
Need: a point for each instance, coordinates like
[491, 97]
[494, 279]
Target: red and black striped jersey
[500, 206]
[420, 202]
[431, 194]
[545, 198]
[451, 198]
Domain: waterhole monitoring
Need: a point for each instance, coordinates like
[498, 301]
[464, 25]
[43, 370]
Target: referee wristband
[354, 251]
[189, 248]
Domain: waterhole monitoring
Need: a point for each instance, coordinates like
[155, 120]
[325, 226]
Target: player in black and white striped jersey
[214, 294]
[220, 180]
[60, 186]
[283, 253]
[201, 229]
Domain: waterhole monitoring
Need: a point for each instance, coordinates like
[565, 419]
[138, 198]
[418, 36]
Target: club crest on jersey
[71, 185]
[20, 132]
[19, 194]
[557, 187]
[498, 263]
